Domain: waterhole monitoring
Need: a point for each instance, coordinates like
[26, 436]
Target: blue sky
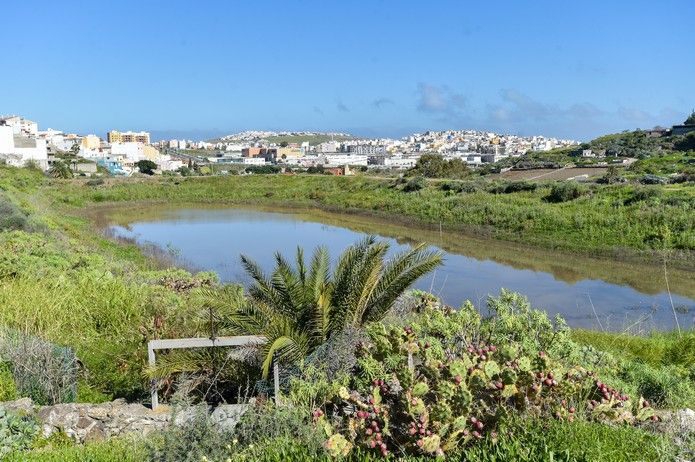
[373, 68]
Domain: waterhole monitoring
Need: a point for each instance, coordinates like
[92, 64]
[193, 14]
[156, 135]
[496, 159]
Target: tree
[184, 171]
[612, 176]
[298, 308]
[75, 149]
[146, 166]
[435, 166]
[315, 169]
[60, 170]
[690, 120]
[284, 144]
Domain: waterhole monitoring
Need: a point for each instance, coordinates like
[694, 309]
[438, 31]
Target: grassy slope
[72, 286]
[597, 223]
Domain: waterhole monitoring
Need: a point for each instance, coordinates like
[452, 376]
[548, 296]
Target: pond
[588, 292]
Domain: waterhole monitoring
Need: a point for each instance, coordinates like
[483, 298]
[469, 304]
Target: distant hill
[638, 144]
[312, 139]
[283, 137]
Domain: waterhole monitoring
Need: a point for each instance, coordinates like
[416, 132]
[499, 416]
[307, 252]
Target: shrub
[95, 182]
[579, 441]
[263, 169]
[17, 432]
[416, 184]
[194, 439]
[565, 191]
[435, 386]
[265, 421]
[146, 166]
[11, 217]
[643, 194]
[653, 179]
[8, 389]
[512, 187]
[435, 166]
[42, 371]
[665, 387]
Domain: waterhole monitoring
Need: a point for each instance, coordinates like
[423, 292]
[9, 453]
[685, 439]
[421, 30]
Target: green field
[619, 221]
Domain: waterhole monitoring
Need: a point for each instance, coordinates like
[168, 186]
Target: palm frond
[399, 274]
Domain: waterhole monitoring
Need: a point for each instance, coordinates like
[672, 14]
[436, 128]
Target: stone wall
[94, 422]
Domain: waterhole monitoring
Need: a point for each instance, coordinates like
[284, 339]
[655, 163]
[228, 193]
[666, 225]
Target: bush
[435, 386]
[263, 169]
[146, 166]
[17, 432]
[565, 192]
[196, 438]
[262, 428]
[580, 441]
[643, 194]
[416, 184]
[8, 389]
[95, 182]
[653, 179]
[11, 217]
[435, 166]
[670, 387]
[512, 187]
[42, 371]
[184, 171]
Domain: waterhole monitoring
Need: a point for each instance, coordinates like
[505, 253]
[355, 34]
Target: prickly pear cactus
[426, 389]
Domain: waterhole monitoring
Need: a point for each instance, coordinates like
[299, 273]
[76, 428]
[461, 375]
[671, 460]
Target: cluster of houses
[21, 142]
[473, 147]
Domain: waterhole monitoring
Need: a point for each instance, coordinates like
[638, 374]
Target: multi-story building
[114, 136]
[91, 142]
[363, 149]
[18, 149]
[20, 125]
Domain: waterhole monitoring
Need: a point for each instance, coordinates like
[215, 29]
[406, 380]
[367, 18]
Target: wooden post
[276, 381]
[153, 382]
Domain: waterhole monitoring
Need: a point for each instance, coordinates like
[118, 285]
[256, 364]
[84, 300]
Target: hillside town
[21, 141]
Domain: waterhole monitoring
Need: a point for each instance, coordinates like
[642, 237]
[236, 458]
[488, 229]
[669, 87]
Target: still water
[591, 293]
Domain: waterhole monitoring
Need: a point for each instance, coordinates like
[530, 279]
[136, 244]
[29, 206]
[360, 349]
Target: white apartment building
[20, 125]
[400, 162]
[17, 149]
[346, 159]
[130, 151]
[328, 147]
[366, 149]
[167, 164]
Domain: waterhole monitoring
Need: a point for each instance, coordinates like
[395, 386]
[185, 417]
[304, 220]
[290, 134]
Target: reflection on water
[618, 294]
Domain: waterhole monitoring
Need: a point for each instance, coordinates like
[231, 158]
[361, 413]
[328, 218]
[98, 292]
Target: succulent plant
[430, 390]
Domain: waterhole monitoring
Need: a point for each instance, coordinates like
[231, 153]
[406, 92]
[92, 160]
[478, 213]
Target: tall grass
[597, 222]
[104, 311]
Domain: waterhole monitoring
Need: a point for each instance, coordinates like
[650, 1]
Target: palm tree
[60, 170]
[297, 309]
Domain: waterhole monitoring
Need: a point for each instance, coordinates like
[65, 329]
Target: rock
[228, 415]
[22, 405]
[686, 420]
[84, 422]
[96, 422]
[99, 412]
[95, 433]
[680, 423]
